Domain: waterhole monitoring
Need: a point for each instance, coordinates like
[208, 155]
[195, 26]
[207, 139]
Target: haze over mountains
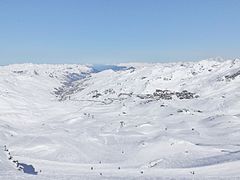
[134, 120]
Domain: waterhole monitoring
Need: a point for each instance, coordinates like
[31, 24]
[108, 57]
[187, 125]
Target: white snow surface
[70, 122]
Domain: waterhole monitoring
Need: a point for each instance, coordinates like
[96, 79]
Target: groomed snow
[132, 121]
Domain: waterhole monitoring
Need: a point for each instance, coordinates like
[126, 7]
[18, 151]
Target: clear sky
[113, 31]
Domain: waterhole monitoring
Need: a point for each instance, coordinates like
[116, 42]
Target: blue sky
[113, 31]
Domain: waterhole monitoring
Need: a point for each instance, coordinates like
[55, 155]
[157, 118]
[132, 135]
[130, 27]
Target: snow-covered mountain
[129, 121]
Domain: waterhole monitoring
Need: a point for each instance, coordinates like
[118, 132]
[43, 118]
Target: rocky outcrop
[233, 76]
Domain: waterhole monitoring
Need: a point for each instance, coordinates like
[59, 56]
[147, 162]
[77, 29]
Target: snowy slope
[132, 121]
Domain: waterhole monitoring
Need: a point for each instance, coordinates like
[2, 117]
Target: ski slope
[129, 121]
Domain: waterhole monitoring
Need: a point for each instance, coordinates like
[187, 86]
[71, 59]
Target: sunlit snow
[127, 121]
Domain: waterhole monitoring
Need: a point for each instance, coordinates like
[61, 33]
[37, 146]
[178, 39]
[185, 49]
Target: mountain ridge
[178, 120]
